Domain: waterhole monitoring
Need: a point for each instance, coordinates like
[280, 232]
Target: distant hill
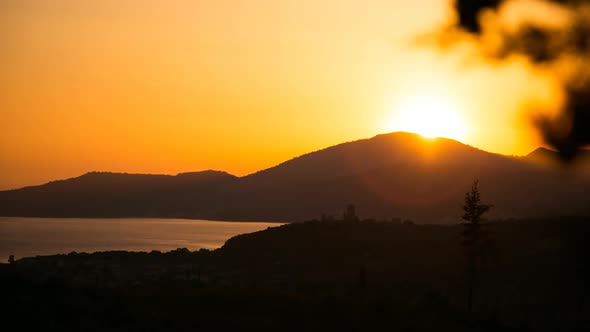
[393, 175]
[546, 157]
[103, 194]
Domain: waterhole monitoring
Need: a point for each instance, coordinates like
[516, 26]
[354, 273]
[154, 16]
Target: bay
[26, 237]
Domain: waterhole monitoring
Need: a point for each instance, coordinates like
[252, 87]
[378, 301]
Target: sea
[28, 237]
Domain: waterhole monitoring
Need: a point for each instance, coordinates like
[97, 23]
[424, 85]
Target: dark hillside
[394, 175]
[320, 275]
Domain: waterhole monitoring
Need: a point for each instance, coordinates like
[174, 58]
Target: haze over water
[25, 237]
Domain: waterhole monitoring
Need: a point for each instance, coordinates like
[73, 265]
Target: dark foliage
[570, 131]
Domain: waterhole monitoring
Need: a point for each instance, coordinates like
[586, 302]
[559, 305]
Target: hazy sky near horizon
[176, 86]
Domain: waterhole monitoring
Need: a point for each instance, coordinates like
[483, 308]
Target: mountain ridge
[539, 150]
[389, 175]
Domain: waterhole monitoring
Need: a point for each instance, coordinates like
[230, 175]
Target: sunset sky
[178, 86]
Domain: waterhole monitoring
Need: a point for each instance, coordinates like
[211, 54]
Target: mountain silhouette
[547, 157]
[400, 175]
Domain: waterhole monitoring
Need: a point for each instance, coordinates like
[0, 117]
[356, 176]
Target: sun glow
[430, 116]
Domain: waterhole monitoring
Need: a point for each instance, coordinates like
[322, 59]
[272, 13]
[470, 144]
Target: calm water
[24, 237]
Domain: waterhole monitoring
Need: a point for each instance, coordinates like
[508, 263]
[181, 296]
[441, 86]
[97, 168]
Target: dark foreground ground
[317, 276]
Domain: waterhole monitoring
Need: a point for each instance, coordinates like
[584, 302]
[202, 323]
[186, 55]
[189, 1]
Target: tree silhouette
[350, 213]
[473, 237]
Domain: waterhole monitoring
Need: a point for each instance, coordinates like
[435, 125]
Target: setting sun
[430, 116]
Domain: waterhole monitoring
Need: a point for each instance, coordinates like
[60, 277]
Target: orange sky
[176, 86]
